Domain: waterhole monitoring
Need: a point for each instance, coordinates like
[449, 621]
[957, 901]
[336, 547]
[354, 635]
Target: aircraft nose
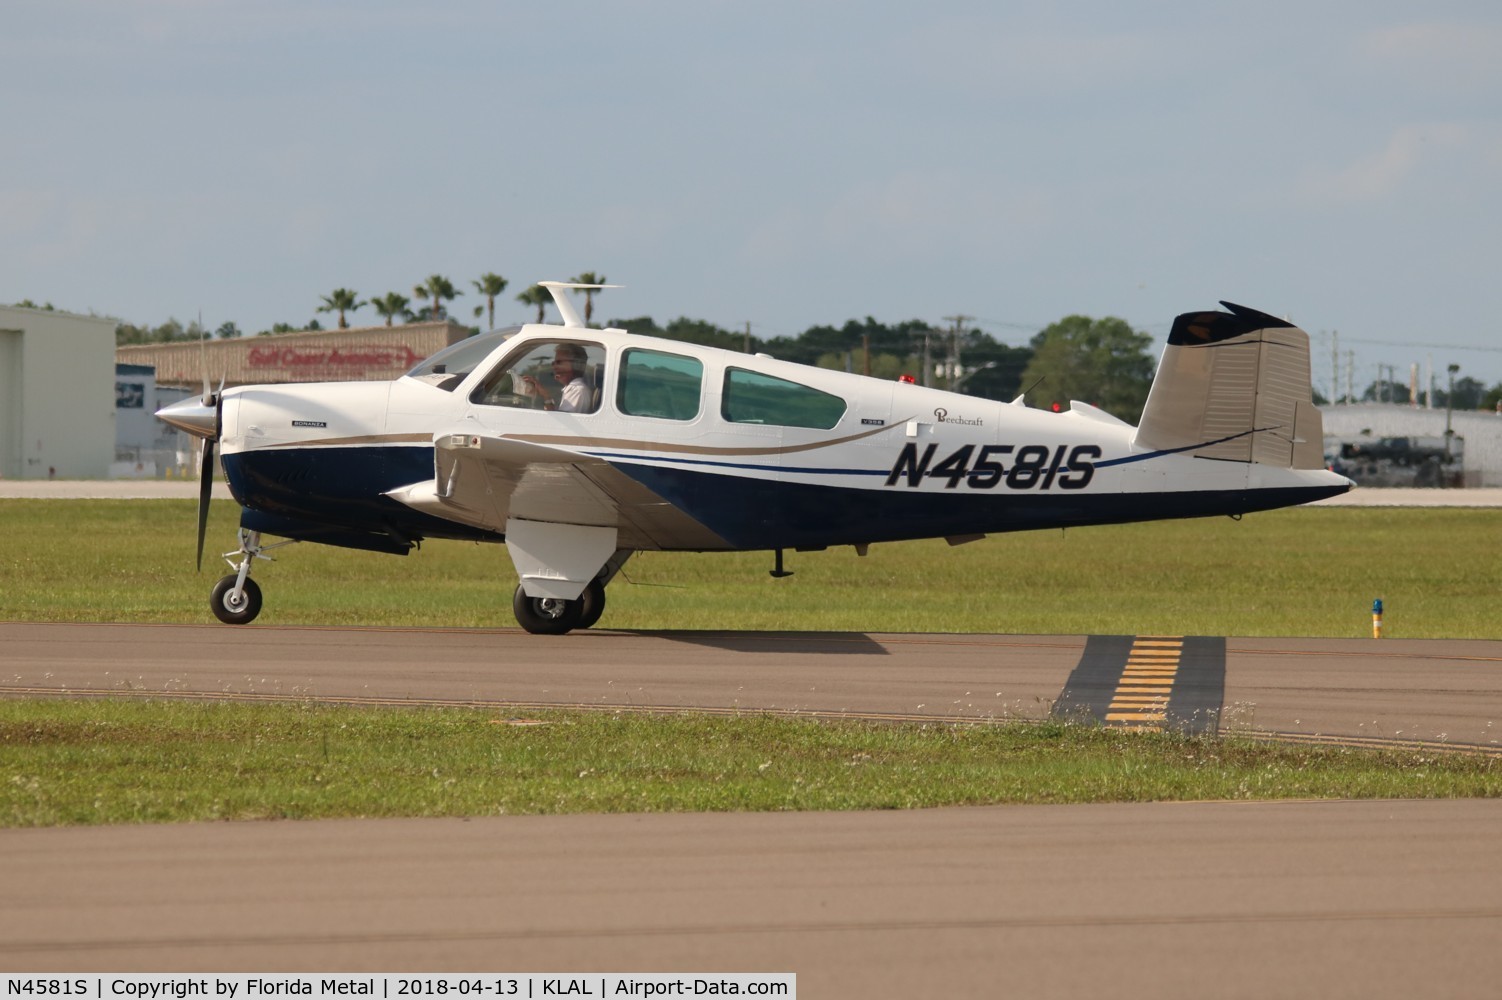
[192, 416]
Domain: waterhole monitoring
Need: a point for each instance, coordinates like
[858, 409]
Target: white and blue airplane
[576, 447]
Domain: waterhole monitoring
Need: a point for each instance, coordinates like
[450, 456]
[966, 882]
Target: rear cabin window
[655, 384]
[754, 398]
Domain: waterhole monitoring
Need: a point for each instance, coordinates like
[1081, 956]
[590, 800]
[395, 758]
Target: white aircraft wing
[486, 480]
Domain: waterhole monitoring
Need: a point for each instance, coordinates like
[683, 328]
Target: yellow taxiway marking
[1141, 697]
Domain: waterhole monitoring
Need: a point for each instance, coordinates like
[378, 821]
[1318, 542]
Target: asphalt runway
[1223, 899]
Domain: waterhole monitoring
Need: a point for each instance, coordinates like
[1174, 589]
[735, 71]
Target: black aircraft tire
[546, 615]
[593, 600]
[231, 612]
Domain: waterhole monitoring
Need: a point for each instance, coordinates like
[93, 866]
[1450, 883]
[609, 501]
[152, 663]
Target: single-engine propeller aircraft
[576, 447]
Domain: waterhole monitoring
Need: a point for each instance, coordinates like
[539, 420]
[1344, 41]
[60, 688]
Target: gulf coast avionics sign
[308, 362]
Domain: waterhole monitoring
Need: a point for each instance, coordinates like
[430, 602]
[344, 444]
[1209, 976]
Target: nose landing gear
[236, 599]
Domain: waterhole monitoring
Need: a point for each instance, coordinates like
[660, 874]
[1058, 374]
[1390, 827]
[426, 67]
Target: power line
[1034, 327]
[1426, 347]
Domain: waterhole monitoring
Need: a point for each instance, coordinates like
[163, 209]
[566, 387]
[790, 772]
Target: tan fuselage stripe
[358, 440]
[693, 449]
[574, 441]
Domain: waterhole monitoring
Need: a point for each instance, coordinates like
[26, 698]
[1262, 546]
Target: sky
[780, 163]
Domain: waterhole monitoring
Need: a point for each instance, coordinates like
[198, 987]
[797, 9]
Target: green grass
[1312, 571]
[97, 762]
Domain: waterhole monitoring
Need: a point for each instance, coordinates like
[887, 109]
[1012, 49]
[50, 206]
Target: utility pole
[1350, 376]
[1449, 406]
[746, 346]
[1336, 396]
[927, 358]
[953, 366]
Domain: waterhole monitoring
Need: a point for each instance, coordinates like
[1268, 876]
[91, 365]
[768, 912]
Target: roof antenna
[1023, 394]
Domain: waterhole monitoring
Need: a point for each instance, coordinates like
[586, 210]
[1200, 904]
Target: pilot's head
[568, 362]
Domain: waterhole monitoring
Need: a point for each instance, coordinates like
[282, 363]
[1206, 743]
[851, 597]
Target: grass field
[1310, 571]
[93, 762]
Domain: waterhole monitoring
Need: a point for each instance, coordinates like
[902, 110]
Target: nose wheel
[236, 599]
[234, 602]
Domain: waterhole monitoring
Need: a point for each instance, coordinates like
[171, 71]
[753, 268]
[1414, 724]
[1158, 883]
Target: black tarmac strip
[1195, 697]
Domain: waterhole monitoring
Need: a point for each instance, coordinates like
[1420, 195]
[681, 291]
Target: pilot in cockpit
[569, 364]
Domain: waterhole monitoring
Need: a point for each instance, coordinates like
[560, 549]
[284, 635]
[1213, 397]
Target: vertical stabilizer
[1235, 386]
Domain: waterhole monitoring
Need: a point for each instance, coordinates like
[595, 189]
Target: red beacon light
[907, 379]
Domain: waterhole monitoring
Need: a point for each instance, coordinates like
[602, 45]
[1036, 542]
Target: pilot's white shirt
[575, 396]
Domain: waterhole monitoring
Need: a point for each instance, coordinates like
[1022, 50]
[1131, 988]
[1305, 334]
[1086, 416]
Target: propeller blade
[205, 488]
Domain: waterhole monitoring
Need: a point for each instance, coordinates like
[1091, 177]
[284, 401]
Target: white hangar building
[57, 394]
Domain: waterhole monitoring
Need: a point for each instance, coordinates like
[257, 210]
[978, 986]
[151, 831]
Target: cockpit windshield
[450, 366]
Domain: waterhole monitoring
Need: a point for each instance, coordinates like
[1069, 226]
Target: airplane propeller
[200, 417]
[206, 467]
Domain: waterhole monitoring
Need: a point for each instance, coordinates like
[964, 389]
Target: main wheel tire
[546, 615]
[593, 600]
[231, 611]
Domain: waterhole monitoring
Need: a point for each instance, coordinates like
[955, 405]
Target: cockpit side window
[753, 398]
[452, 365]
[658, 384]
[562, 375]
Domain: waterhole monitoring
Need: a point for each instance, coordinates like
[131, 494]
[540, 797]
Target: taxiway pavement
[1328, 899]
[1428, 690]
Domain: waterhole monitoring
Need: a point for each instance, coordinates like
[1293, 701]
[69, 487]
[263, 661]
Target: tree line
[1103, 361]
[1100, 361]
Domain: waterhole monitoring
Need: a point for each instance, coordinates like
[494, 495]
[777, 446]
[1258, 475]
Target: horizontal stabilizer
[1235, 386]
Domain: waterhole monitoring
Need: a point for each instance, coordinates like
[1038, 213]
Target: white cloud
[1439, 54]
[1409, 150]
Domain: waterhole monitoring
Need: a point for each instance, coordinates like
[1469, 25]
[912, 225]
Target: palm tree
[588, 278]
[338, 301]
[536, 296]
[391, 304]
[436, 287]
[489, 285]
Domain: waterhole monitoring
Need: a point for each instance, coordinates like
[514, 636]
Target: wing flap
[484, 480]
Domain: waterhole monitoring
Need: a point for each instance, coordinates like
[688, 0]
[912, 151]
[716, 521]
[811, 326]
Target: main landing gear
[236, 599]
[554, 615]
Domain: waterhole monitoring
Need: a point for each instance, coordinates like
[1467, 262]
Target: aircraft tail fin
[1235, 386]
